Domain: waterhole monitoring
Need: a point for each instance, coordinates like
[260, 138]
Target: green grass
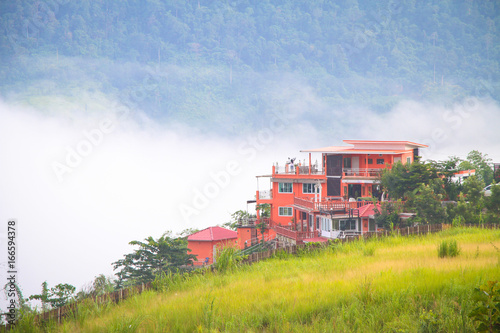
[448, 248]
[396, 284]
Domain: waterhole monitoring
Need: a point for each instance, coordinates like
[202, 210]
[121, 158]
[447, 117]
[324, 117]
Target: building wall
[203, 249]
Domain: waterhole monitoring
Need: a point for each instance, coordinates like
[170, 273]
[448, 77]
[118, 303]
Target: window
[309, 188]
[311, 221]
[317, 222]
[285, 188]
[370, 161]
[380, 161]
[326, 224]
[347, 162]
[285, 211]
[408, 160]
[347, 224]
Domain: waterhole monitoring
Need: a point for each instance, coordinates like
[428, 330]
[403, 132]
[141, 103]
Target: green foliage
[101, 285]
[403, 179]
[486, 314]
[492, 204]
[426, 203]
[237, 218]
[448, 248]
[264, 210]
[57, 296]
[429, 322]
[481, 163]
[170, 280]
[447, 170]
[228, 258]
[388, 215]
[152, 257]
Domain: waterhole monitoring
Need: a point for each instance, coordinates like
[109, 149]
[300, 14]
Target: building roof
[212, 234]
[367, 210]
[369, 147]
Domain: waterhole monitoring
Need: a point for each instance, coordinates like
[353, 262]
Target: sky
[83, 185]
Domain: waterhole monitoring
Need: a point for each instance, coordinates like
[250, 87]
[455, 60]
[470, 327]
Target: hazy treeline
[217, 60]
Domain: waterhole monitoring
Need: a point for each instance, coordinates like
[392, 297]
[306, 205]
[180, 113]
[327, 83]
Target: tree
[236, 218]
[101, 285]
[403, 179]
[497, 176]
[472, 188]
[492, 204]
[152, 257]
[264, 210]
[427, 204]
[57, 296]
[388, 215]
[447, 169]
[481, 163]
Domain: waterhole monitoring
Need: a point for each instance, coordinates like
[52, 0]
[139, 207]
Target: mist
[83, 185]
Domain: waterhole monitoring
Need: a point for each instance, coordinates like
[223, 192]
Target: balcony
[328, 205]
[298, 236]
[265, 195]
[298, 170]
[361, 173]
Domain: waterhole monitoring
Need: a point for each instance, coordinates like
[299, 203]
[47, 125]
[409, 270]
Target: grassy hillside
[391, 285]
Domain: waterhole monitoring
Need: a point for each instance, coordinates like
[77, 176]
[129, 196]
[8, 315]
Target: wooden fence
[70, 310]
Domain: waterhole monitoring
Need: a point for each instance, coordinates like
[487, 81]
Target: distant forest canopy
[212, 61]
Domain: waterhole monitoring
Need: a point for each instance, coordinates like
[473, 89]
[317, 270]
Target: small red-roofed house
[367, 216]
[203, 244]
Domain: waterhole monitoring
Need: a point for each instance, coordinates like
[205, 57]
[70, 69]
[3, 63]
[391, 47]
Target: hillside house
[204, 244]
[307, 198]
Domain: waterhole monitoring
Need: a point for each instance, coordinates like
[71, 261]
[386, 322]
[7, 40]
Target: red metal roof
[367, 210]
[385, 141]
[213, 234]
[369, 146]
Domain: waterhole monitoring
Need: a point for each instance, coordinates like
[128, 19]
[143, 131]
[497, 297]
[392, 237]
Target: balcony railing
[328, 205]
[298, 236]
[309, 169]
[367, 173]
[265, 195]
[253, 221]
[298, 170]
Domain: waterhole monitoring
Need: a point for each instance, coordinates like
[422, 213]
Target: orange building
[302, 195]
[204, 244]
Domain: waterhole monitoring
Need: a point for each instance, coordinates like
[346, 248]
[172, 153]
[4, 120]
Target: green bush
[487, 312]
[448, 249]
[228, 258]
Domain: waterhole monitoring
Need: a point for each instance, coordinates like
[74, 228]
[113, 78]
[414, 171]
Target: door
[355, 163]
[354, 190]
[371, 225]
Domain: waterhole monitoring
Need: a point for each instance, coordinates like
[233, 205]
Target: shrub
[487, 311]
[448, 249]
[228, 258]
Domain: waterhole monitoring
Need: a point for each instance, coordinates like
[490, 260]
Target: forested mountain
[210, 62]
